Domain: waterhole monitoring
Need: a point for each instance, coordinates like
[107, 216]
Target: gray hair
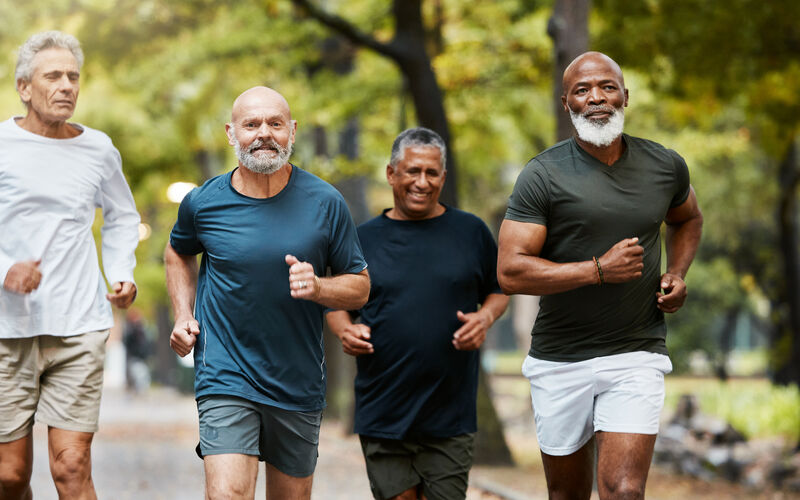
[418, 136]
[39, 42]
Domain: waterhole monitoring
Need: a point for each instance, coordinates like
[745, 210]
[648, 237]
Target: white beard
[262, 164]
[599, 134]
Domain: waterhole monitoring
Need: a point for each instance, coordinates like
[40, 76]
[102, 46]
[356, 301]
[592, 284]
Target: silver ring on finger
[302, 284]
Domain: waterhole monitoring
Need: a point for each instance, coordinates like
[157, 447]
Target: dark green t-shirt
[587, 207]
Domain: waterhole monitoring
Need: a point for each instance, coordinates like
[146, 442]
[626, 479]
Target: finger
[359, 345]
[461, 316]
[291, 259]
[633, 241]
[193, 327]
[363, 332]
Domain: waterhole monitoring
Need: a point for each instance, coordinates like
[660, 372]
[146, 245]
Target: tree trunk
[569, 29]
[786, 336]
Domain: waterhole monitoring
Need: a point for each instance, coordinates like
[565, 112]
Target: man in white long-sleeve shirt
[55, 311]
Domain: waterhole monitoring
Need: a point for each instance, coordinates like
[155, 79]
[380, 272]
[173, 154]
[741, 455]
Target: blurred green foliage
[718, 82]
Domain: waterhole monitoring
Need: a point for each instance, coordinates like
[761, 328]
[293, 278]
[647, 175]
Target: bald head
[590, 62]
[260, 98]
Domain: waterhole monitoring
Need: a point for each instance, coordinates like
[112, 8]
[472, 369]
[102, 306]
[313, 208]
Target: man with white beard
[582, 230]
[267, 232]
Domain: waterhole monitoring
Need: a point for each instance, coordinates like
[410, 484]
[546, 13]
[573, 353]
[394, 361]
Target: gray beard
[599, 134]
[262, 164]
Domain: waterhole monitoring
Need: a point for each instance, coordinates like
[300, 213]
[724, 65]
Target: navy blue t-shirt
[256, 341]
[416, 383]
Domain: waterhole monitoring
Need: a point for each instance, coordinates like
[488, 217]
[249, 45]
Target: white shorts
[617, 393]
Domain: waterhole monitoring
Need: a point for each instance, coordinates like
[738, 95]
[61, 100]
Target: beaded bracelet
[600, 280]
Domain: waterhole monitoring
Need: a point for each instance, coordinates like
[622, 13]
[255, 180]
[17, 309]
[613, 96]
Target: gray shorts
[285, 439]
[439, 465]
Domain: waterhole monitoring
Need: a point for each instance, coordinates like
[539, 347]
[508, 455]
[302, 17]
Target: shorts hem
[564, 450]
[627, 429]
[18, 434]
[292, 472]
[69, 426]
[230, 451]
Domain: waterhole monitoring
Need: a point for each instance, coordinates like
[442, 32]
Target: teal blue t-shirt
[588, 207]
[256, 341]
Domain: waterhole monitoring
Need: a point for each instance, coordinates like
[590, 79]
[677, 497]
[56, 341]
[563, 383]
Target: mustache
[258, 143]
[596, 108]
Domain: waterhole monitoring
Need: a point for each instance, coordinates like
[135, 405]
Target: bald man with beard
[582, 230]
[267, 231]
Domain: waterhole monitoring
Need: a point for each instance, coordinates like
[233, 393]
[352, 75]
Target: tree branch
[347, 30]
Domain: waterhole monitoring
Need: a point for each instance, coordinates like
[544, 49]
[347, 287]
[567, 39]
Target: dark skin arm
[684, 227]
[521, 270]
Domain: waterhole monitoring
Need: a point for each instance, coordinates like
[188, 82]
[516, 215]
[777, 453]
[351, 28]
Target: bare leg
[282, 486]
[409, 494]
[570, 477]
[230, 476]
[71, 463]
[16, 466]
[623, 461]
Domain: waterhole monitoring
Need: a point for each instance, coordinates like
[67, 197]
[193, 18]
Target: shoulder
[210, 188]
[98, 138]
[558, 152]
[464, 218]
[652, 149]
[315, 187]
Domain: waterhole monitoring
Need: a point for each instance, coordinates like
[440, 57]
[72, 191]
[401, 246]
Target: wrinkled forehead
[55, 59]
[592, 66]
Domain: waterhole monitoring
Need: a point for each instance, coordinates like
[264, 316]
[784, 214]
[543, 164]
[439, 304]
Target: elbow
[363, 295]
[506, 281]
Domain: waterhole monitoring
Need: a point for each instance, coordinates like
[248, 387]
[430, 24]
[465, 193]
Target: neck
[606, 154]
[35, 123]
[256, 185]
[396, 214]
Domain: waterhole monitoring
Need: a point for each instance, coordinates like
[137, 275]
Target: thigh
[444, 464]
[630, 392]
[283, 486]
[570, 476]
[290, 440]
[72, 381]
[230, 476]
[563, 398]
[19, 387]
[389, 466]
[623, 461]
[228, 425]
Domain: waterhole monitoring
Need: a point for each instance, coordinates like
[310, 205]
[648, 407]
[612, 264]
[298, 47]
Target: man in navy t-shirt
[431, 266]
[268, 232]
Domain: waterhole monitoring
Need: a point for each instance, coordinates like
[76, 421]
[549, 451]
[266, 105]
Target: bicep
[521, 238]
[687, 210]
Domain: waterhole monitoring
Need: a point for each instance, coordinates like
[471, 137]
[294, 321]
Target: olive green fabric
[588, 207]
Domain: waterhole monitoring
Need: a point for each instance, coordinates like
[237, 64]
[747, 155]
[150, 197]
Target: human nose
[421, 180]
[65, 84]
[596, 96]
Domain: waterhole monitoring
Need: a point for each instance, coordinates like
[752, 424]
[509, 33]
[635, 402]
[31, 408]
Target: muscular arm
[521, 270]
[684, 227]
[182, 286]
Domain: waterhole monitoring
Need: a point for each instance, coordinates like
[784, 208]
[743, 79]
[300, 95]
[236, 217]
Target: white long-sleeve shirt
[49, 189]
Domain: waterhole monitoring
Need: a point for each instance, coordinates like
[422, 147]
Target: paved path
[145, 451]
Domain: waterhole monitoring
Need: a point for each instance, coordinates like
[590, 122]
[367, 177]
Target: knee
[621, 489]
[226, 492]
[72, 466]
[14, 479]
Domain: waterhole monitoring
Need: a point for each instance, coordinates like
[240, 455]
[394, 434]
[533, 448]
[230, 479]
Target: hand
[303, 283]
[473, 332]
[124, 294]
[623, 262]
[676, 293]
[184, 336]
[354, 340]
[23, 277]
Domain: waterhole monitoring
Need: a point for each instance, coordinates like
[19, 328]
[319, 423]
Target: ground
[145, 450]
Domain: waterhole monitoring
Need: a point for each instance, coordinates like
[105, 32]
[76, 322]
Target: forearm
[494, 305]
[681, 242]
[338, 321]
[345, 291]
[181, 282]
[531, 275]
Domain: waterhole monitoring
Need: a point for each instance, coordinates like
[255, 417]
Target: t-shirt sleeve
[183, 237]
[682, 187]
[489, 283]
[529, 201]
[345, 255]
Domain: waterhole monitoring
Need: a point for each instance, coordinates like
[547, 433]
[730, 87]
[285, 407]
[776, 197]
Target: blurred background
[716, 81]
